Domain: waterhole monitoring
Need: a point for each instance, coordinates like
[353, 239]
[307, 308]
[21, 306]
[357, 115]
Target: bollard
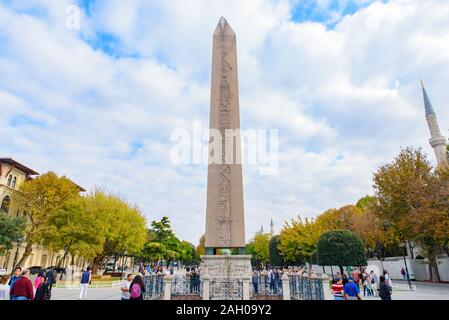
[286, 287]
[246, 294]
[206, 287]
[168, 279]
[326, 289]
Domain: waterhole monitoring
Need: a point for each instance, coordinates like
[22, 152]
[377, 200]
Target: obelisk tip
[223, 27]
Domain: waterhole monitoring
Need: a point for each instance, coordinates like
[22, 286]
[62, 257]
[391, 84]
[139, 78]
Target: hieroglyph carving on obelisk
[224, 213]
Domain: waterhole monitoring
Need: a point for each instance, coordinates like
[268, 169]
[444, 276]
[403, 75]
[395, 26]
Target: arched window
[14, 181]
[9, 180]
[5, 204]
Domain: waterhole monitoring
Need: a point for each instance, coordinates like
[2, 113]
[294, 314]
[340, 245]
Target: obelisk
[225, 226]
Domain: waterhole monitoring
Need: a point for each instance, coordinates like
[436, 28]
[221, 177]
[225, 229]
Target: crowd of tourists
[347, 286]
[20, 287]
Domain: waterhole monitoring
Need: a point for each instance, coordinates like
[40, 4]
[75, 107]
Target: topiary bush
[340, 248]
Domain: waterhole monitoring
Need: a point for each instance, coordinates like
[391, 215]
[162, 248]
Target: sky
[339, 79]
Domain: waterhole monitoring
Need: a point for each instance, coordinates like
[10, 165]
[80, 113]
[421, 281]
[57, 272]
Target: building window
[14, 181]
[9, 180]
[5, 204]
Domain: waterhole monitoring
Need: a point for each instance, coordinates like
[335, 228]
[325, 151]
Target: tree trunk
[26, 254]
[96, 263]
[341, 270]
[433, 266]
[412, 255]
[63, 263]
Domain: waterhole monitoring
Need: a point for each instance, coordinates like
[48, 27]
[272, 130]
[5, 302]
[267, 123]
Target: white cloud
[344, 99]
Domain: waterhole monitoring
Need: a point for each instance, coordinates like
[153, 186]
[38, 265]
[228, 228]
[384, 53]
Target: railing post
[246, 294]
[286, 286]
[206, 286]
[326, 289]
[168, 279]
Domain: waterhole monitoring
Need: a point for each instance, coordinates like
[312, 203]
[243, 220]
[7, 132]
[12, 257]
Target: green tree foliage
[40, 198]
[340, 248]
[259, 249]
[298, 239]
[76, 229]
[162, 244]
[275, 255]
[124, 226]
[12, 230]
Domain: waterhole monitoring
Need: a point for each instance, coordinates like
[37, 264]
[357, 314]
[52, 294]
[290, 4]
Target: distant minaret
[272, 227]
[261, 229]
[437, 141]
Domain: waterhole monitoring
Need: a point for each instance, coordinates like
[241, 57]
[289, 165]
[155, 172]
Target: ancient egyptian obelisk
[225, 226]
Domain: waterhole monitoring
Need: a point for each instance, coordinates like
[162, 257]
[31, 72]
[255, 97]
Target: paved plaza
[424, 291]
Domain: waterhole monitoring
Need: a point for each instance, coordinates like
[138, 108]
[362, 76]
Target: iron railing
[306, 288]
[186, 286]
[266, 286]
[154, 287]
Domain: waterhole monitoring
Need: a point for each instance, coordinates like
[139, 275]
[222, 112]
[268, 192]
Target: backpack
[136, 291]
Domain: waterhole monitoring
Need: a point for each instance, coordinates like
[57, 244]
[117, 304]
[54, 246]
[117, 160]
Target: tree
[298, 239]
[201, 248]
[125, 227]
[412, 201]
[260, 248]
[276, 258]
[75, 229]
[40, 198]
[340, 248]
[12, 230]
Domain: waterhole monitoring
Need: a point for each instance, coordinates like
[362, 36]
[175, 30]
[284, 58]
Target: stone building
[12, 175]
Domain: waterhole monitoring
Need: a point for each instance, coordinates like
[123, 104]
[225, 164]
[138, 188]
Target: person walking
[255, 280]
[388, 279]
[86, 278]
[365, 285]
[16, 276]
[43, 292]
[4, 288]
[385, 290]
[404, 274]
[137, 289]
[338, 289]
[351, 289]
[23, 288]
[37, 282]
[126, 284]
[51, 276]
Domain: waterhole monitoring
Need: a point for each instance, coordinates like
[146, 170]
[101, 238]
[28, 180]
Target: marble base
[226, 267]
[226, 277]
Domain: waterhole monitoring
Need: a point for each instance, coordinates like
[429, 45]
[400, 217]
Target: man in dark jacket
[384, 289]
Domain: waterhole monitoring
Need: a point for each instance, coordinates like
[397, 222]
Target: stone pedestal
[227, 277]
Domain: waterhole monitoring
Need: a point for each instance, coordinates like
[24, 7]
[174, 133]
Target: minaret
[437, 141]
[272, 227]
